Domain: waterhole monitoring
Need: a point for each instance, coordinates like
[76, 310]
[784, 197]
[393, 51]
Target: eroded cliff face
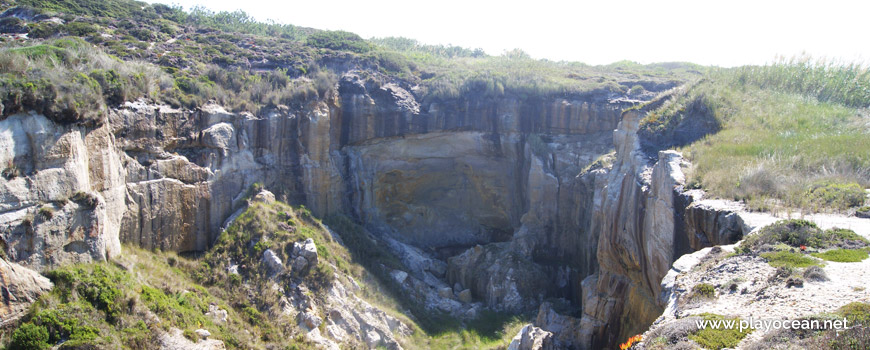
[644, 221]
[515, 196]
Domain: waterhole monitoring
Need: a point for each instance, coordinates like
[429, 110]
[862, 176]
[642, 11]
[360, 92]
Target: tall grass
[828, 81]
[794, 134]
[69, 80]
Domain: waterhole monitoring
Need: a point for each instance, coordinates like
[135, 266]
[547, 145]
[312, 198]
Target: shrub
[704, 289]
[815, 273]
[338, 40]
[42, 30]
[29, 337]
[46, 212]
[48, 79]
[842, 255]
[835, 195]
[677, 330]
[846, 238]
[99, 285]
[794, 232]
[79, 29]
[636, 90]
[85, 199]
[11, 171]
[789, 259]
[720, 338]
[856, 313]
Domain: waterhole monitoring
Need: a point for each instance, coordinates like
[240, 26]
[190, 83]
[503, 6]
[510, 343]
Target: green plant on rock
[705, 290]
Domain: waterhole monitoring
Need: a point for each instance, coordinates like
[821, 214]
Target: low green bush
[46, 212]
[793, 232]
[721, 338]
[796, 233]
[338, 40]
[856, 312]
[842, 255]
[836, 195]
[789, 259]
[29, 337]
[705, 290]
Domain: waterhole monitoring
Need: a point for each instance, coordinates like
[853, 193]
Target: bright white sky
[723, 33]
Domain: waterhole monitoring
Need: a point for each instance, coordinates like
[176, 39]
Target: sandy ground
[758, 298]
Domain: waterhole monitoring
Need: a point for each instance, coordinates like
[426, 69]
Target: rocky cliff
[515, 193]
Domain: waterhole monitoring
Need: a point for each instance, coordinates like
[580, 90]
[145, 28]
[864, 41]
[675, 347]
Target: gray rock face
[503, 283]
[532, 338]
[514, 191]
[306, 250]
[65, 201]
[710, 223]
[644, 222]
[273, 261]
[21, 287]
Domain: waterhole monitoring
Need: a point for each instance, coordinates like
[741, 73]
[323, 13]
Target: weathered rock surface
[532, 338]
[644, 222]
[20, 287]
[515, 190]
[175, 340]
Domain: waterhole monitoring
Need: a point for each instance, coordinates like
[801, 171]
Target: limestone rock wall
[644, 221]
[514, 193]
[441, 174]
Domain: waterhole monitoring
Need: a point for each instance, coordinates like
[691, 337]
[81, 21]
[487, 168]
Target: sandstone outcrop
[512, 198]
[21, 287]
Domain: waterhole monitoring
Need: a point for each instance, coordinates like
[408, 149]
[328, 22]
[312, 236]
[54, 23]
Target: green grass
[843, 255]
[721, 338]
[264, 226]
[69, 81]
[789, 259]
[791, 134]
[212, 62]
[839, 82]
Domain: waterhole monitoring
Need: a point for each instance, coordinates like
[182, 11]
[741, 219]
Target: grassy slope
[108, 304]
[793, 135]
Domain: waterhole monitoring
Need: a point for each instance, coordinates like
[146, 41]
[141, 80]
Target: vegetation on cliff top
[244, 64]
[793, 134]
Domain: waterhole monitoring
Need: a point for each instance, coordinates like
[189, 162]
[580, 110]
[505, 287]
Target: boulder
[465, 296]
[532, 338]
[21, 287]
[217, 314]
[445, 292]
[265, 197]
[273, 262]
[399, 275]
[307, 250]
